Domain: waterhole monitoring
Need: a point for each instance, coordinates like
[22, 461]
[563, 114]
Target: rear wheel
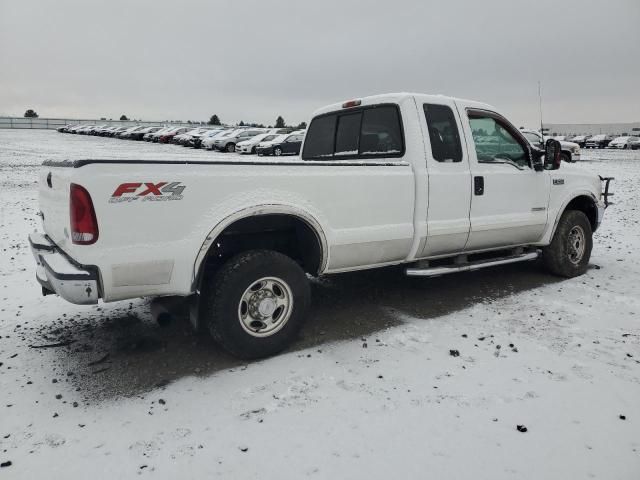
[256, 303]
[570, 250]
[231, 147]
[277, 151]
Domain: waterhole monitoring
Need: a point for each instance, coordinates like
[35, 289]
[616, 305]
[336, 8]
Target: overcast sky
[252, 60]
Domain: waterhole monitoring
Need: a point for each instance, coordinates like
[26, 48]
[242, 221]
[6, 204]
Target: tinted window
[381, 132]
[320, 137]
[494, 141]
[348, 134]
[366, 132]
[443, 133]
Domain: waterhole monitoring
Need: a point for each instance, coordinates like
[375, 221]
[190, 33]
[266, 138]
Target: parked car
[598, 141]
[228, 142]
[570, 150]
[183, 138]
[65, 128]
[75, 128]
[115, 131]
[142, 132]
[249, 146]
[283, 145]
[622, 142]
[634, 145]
[195, 140]
[581, 140]
[155, 137]
[208, 142]
[379, 182]
[167, 137]
[148, 137]
[83, 129]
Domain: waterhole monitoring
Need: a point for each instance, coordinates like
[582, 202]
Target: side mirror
[552, 158]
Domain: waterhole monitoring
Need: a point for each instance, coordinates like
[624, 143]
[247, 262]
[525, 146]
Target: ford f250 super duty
[435, 183]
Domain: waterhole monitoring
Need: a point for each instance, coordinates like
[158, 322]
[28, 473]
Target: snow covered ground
[371, 390]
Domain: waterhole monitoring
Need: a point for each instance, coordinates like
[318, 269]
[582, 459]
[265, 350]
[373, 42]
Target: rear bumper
[58, 274]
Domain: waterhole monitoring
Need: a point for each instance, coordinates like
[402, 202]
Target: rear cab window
[357, 133]
[443, 133]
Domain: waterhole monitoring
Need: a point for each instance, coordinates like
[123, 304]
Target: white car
[449, 186]
[249, 146]
[227, 143]
[622, 142]
[209, 142]
[570, 150]
[276, 139]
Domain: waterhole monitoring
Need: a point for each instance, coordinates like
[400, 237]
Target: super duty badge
[147, 192]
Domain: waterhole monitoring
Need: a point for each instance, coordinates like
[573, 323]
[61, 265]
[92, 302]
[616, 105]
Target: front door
[509, 199]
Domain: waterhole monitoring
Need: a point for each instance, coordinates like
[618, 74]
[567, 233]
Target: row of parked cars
[604, 141]
[246, 140]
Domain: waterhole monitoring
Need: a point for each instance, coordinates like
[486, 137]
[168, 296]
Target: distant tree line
[280, 123]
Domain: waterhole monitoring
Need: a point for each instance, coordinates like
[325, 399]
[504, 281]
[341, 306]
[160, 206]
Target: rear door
[449, 179]
[510, 199]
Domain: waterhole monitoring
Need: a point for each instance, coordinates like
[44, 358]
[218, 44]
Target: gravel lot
[370, 390]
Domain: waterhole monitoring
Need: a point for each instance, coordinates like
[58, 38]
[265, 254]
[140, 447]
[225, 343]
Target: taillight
[84, 226]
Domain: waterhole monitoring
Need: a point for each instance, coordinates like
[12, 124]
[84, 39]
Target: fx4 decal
[147, 192]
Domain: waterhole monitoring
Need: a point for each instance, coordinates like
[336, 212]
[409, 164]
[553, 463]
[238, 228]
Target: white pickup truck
[436, 183]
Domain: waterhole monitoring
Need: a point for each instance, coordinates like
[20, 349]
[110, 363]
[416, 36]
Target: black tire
[565, 157]
[277, 151]
[231, 147]
[560, 257]
[624, 147]
[222, 303]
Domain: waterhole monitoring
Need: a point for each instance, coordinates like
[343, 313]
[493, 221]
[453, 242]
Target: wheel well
[586, 205]
[287, 234]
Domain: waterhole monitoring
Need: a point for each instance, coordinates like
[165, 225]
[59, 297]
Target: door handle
[478, 185]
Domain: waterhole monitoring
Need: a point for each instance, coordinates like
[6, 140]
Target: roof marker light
[351, 103]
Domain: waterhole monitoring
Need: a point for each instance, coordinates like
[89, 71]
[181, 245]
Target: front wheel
[256, 303]
[570, 250]
[231, 147]
[565, 157]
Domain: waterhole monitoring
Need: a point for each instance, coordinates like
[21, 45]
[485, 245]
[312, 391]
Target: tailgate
[53, 186]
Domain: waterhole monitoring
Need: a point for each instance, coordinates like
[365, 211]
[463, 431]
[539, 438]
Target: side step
[469, 266]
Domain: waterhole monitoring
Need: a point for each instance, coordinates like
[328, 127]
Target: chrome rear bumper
[58, 274]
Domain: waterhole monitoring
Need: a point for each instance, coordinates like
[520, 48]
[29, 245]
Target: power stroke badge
[147, 192]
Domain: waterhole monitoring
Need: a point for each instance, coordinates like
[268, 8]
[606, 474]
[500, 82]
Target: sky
[253, 60]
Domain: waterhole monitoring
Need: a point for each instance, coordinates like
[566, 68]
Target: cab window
[494, 142]
[367, 132]
[443, 133]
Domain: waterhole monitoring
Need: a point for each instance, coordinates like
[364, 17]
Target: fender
[255, 211]
[548, 235]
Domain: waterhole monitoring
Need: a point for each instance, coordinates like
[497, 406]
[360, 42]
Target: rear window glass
[381, 132]
[321, 136]
[367, 132]
[348, 134]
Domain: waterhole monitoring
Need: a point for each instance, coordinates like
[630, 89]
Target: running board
[468, 267]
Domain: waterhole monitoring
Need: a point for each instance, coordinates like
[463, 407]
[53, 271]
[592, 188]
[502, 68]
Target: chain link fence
[53, 123]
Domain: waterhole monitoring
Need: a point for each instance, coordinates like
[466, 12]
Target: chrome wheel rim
[277, 152]
[265, 307]
[576, 242]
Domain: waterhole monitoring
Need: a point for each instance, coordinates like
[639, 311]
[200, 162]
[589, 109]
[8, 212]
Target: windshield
[532, 137]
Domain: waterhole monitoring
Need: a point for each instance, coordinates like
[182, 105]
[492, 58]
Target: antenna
[540, 102]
